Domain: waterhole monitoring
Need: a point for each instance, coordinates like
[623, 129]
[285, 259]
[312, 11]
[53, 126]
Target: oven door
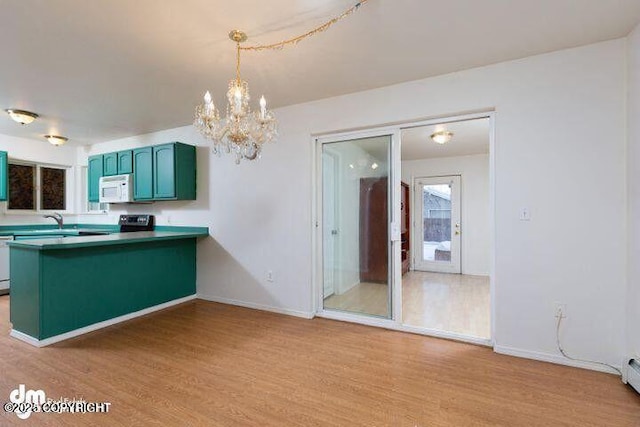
[111, 192]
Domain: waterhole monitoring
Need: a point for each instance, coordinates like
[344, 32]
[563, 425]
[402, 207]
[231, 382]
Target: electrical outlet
[561, 310]
[270, 276]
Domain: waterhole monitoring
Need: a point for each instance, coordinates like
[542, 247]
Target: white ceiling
[469, 137]
[103, 69]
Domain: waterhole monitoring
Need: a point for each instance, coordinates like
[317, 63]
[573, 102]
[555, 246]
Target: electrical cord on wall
[560, 316]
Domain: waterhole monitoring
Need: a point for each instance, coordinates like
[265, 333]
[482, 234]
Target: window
[52, 189]
[440, 213]
[22, 187]
[37, 187]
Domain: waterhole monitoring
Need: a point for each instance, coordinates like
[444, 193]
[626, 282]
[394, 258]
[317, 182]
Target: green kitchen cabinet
[174, 172]
[110, 164]
[4, 175]
[143, 173]
[125, 162]
[94, 174]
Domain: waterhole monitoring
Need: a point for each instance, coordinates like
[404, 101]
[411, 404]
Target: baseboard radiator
[633, 374]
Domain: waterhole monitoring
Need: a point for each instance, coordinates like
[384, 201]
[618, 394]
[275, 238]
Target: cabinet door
[143, 175]
[125, 162]
[164, 172]
[94, 174]
[110, 164]
[4, 175]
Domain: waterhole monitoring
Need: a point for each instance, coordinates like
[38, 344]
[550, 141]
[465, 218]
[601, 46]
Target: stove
[130, 223]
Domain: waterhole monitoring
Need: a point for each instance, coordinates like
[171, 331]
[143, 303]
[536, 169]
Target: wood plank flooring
[456, 303]
[210, 364]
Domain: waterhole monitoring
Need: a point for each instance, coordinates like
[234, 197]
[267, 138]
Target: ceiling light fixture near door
[21, 116]
[56, 140]
[242, 131]
[442, 136]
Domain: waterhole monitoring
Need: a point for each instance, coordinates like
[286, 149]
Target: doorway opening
[404, 227]
[446, 288]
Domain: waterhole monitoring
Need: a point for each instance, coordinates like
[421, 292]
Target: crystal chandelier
[242, 131]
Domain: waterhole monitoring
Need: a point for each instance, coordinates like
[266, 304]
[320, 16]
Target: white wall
[633, 168]
[474, 170]
[39, 151]
[560, 142]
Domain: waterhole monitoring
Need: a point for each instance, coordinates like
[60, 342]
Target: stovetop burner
[130, 223]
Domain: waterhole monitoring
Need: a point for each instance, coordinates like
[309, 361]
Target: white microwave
[116, 189]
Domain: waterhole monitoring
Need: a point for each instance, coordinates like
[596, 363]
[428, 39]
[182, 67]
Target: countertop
[72, 241]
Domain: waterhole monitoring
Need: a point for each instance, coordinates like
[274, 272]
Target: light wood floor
[447, 302]
[208, 364]
[365, 298]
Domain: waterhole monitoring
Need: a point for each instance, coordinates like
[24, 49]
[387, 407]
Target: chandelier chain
[297, 39]
[238, 62]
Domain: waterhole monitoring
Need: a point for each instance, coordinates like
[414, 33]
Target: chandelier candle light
[242, 131]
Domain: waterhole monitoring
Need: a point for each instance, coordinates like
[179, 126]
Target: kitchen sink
[56, 233]
[92, 233]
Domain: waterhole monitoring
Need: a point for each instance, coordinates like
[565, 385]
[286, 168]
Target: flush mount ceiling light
[442, 136]
[242, 131]
[21, 116]
[56, 140]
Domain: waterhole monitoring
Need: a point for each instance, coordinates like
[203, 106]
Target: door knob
[457, 232]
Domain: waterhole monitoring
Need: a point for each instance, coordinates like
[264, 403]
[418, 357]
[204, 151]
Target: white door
[437, 224]
[330, 230]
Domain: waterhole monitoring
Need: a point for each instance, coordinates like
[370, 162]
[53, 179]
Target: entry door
[437, 224]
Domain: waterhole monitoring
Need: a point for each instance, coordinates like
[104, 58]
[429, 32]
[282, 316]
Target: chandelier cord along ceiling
[243, 132]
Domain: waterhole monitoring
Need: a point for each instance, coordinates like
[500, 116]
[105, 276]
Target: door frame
[417, 228]
[395, 273]
[395, 323]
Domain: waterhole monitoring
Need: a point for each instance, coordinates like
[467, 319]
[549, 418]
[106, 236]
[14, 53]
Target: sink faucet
[57, 217]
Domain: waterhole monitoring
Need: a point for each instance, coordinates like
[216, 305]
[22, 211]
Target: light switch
[525, 214]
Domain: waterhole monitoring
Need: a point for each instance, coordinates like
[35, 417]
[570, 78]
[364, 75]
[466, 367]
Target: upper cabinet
[174, 172]
[143, 173]
[4, 175]
[161, 172]
[94, 174]
[125, 162]
[110, 164]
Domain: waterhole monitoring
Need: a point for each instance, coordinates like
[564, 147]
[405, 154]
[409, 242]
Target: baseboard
[51, 340]
[229, 301]
[632, 377]
[551, 358]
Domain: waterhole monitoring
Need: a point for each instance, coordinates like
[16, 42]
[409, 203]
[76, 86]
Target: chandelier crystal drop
[242, 131]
